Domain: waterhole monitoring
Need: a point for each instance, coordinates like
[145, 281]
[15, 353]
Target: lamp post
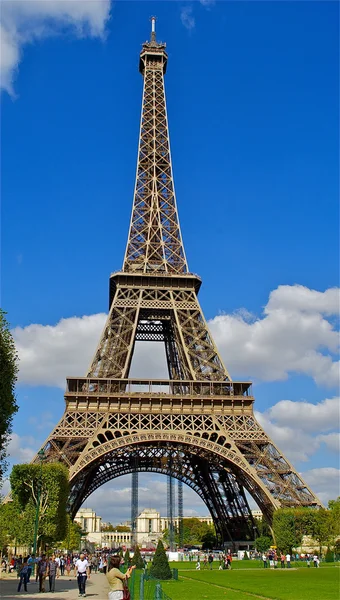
[255, 528]
[41, 455]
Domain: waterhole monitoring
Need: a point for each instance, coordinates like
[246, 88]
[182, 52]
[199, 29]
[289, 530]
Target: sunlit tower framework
[197, 425]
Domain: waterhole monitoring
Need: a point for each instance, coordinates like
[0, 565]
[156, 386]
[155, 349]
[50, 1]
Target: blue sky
[253, 105]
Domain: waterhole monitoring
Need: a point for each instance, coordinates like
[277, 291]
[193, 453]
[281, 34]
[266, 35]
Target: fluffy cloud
[25, 21]
[113, 500]
[21, 449]
[324, 482]
[48, 353]
[295, 426]
[290, 337]
[314, 417]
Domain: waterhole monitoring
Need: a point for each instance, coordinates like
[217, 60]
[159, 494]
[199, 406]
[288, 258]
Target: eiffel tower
[198, 425]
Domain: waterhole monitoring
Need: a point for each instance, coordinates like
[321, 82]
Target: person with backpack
[23, 574]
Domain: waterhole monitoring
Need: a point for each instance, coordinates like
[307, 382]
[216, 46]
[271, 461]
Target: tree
[127, 558]
[73, 536]
[263, 543]
[10, 524]
[119, 528]
[208, 540]
[193, 532]
[53, 480]
[287, 529]
[160, 568]
[8, 377]
[322, 527]
[137, 559]
[334, 508]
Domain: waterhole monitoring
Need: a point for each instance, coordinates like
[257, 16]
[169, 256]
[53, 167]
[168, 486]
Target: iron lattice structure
[197, 426]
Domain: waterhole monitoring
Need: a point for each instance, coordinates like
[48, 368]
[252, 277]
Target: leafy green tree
[10, 524]
[322, 527]
[287, 529]
[208, 540]
[8, 377]
[137, 559]
[329, 556]
[193, 532]
[52, 479]
[334, 508]
[119, 528]
[160, 568]
[263, 543]
[73, 536]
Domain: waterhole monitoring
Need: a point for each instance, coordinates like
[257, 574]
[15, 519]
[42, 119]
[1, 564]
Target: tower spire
[155, 240]
[153, 29]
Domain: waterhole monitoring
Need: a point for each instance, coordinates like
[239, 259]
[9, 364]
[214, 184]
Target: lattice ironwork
[198, 421]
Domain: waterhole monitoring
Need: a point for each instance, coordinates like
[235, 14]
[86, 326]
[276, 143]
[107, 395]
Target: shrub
[137, 559]
[127, 559]
[329, 556]
[160, 568]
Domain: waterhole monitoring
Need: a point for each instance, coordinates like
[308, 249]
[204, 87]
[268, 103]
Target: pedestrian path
[65, 588]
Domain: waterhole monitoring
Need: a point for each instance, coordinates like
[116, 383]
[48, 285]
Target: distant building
[150, 527]
[257, 514]
[91, 525]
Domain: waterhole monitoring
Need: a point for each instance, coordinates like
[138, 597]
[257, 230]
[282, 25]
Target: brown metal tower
[198, 425]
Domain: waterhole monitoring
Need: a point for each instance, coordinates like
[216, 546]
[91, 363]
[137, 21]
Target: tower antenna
[153, 29]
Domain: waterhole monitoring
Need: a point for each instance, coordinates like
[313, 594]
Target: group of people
[49, 568]
[225, 561]
[272, 558]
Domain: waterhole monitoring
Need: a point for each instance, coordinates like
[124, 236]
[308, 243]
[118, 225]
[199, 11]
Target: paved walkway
[96, 589]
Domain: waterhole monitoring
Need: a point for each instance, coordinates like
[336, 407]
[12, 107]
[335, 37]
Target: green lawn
[245, 584]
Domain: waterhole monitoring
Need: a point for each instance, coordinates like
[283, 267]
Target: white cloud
[332, 441]
[49, 353]
[21, 449]
[324, 482]
[207, 3]
[287, 339]
[291, 337]
[26, 21]
[291, 425]
[312, 417]
[187, 17]
[296, 445]
[113, 500]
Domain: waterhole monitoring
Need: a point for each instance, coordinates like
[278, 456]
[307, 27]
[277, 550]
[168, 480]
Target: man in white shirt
[288, 560]
[82, 572]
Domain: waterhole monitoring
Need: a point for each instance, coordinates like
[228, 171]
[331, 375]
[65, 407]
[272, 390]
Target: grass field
[247, 583]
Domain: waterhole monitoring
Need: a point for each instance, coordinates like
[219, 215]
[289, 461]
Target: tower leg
[171, 510]
[134, 506]
[180, 513]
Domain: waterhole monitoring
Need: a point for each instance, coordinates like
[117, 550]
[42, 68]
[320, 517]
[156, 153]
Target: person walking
[42, 573]
[264, 558]
[62, 565]
[283, 558]
[30, 563]
[288, 560]
[52, 572]
[82, 572]
[116, 578]
[23, 574]
[210, 560]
